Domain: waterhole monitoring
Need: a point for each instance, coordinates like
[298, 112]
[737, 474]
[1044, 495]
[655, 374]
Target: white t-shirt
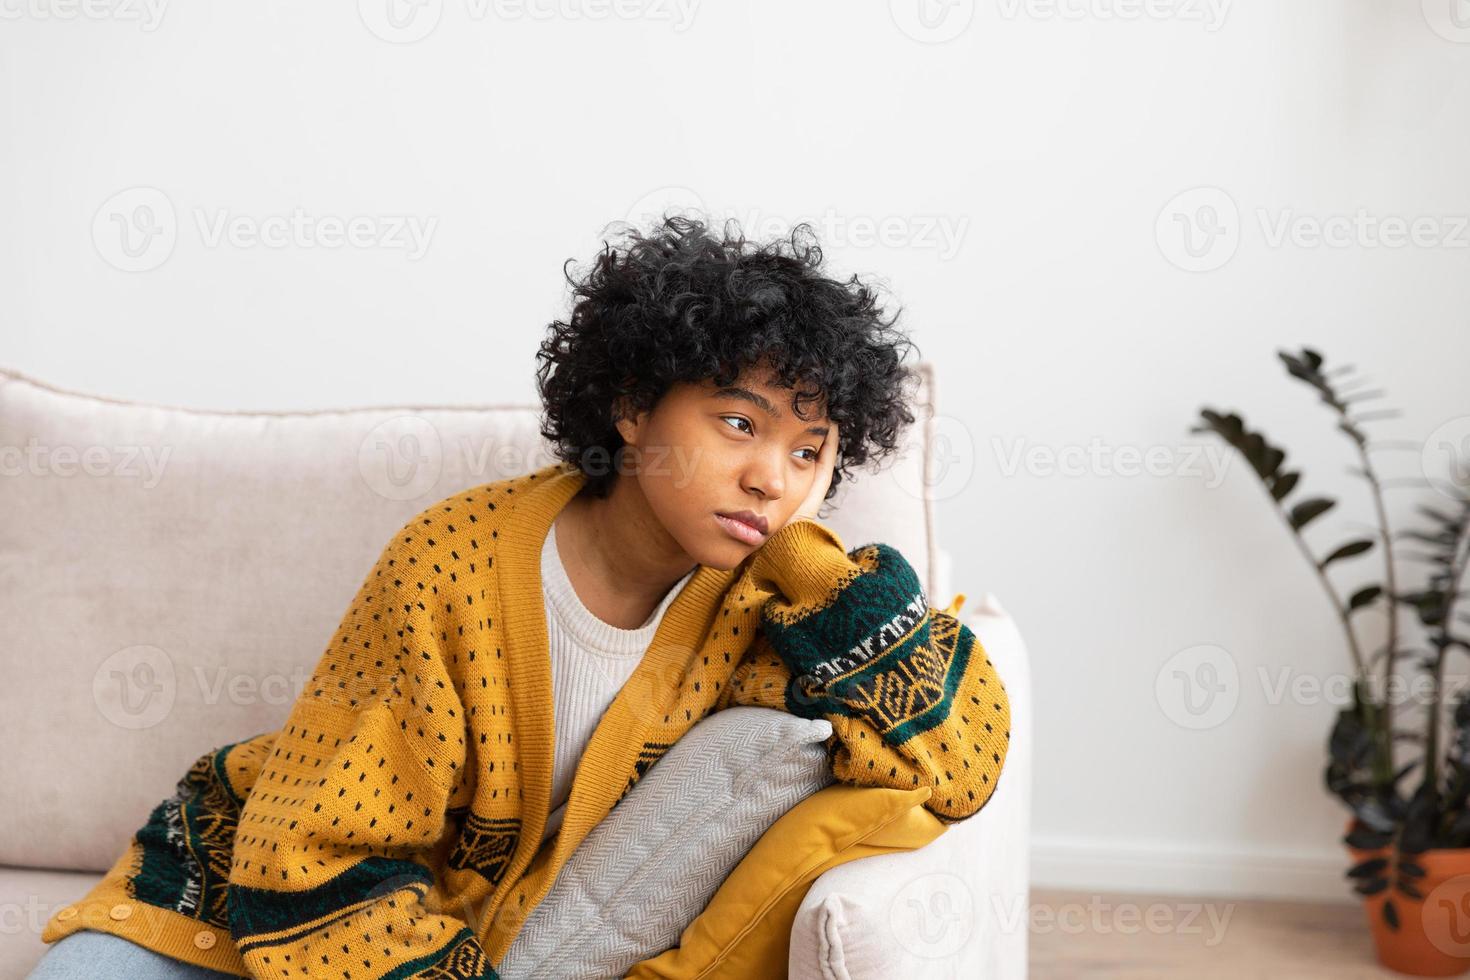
[590, 662]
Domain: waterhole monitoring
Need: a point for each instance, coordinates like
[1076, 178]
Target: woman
[524, 650]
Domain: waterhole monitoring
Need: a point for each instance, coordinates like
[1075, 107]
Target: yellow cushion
[745, 931]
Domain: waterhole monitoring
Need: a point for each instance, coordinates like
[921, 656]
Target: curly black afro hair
[683, 304]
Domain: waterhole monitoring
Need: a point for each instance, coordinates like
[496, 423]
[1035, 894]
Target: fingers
[829, 445]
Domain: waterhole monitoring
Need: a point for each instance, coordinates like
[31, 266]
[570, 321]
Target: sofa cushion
[652, 864]
[746, 931]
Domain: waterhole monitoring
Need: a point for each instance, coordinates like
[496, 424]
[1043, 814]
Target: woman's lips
[740, 530]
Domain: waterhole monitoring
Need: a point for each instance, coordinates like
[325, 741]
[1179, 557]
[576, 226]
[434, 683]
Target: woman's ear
[629, 424]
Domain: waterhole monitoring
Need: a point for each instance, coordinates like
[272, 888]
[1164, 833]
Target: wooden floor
[1142, 937]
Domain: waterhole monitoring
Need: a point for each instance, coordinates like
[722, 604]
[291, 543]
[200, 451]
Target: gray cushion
[652, 865]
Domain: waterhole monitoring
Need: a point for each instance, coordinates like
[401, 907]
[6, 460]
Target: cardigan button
[204, 939]
[70, 912]
[121, 911]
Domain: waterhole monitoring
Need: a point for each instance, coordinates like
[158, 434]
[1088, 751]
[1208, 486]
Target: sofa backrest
[169, 577]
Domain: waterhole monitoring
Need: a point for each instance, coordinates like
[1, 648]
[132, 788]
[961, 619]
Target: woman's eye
[812, 457]
[737, 418]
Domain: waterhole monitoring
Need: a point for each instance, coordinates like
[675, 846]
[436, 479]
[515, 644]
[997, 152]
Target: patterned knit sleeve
[330, 866]
[850, 636]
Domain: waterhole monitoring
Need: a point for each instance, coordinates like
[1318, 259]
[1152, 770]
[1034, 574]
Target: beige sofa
[168, 578]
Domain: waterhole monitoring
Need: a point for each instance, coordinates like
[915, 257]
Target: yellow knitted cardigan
[389, 828]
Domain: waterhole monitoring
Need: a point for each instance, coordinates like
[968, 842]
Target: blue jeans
[91, 955]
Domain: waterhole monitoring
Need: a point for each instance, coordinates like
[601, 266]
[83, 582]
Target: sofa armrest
[957, 907]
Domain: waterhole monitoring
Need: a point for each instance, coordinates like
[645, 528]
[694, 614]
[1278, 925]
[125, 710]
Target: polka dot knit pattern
[393, 826]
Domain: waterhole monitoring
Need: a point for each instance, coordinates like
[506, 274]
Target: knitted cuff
[854, 620]
[805, 561]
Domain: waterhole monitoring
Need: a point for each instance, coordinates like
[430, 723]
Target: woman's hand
[826, 463]
[796, 569]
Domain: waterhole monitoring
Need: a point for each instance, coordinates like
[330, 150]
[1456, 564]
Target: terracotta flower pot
[1433, 934]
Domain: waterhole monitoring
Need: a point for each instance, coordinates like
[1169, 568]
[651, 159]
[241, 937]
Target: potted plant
[1410, 851]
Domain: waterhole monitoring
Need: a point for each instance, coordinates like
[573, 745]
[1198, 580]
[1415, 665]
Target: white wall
[1022, 169]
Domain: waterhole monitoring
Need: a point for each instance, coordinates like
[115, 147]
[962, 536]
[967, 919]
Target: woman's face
[704, 451]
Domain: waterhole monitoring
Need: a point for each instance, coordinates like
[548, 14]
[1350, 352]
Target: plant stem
[1391, 587]
[1370, 710]
[1456, 572]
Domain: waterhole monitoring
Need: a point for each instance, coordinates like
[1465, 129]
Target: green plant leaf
[1443, 537]
[1254, 448]
[1364, 596]
[1368, 868]
[1308, 510]
[1387, 413]
[1283, 484]
[1347, 551]
[1364, 838]
[1353, 432]
[1362, 395]
[1442, 518]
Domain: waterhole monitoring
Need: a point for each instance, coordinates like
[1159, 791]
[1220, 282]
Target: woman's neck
[619, 558]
